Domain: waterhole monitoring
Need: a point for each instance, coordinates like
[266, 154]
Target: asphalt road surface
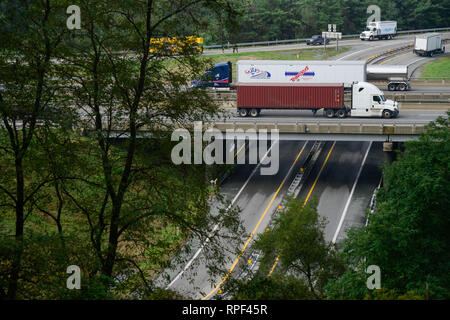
[257, 197]
[333, 187]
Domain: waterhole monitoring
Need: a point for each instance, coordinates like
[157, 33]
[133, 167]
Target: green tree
[31, 34]
[408, 235]
[306, 260]
[275, 287]
[128, 93]
[108, 201]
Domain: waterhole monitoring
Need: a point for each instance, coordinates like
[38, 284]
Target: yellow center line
[256, 228]
[306, 200]
[394, 57]
[239, 151]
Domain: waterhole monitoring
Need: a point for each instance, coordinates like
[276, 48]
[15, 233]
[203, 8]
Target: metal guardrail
[429, 78]
[278, 42]
[385, 55]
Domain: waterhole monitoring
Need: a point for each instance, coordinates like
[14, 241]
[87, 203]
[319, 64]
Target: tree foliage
[408, 235]
[306, 260]
[263, 20]
[91, 191]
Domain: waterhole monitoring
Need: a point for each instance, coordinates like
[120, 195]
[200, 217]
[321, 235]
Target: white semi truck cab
[369, 101]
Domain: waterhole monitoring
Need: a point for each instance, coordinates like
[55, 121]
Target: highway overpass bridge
[324, 131]
[295, 125]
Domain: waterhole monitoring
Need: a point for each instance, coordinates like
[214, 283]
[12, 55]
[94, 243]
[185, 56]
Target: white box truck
[380, 30]
[428, 44]
[287, 71]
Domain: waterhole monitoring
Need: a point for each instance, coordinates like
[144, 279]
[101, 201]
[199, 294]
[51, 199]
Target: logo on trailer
[305, 74]
[257, 74]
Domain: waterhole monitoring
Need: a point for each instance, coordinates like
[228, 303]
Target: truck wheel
[243, 112]
[387, 114]
[401, 87]
[341, 114]
[431, 54]
[371, 38]
[392, 87]
[254, 113]
[329, 113]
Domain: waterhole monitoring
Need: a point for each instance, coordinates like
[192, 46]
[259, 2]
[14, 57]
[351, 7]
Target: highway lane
[366, 49]
[363, 189]
[410, 59]
[345, 185]
[332, 188]
[257, 201]
[355, 44]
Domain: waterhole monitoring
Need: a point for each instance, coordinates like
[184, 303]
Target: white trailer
[286, 71]
[380, 30]
[428, 44]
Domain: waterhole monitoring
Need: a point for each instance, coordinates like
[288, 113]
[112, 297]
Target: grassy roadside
[437, 68]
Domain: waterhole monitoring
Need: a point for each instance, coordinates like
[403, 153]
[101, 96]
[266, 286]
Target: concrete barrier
[424, 106]
[372, 129]
[351, 128]
[403, 129]
[388, 129]
[288, 127]
[312, 128]
[329, 128]
[267, 126]
[325, 128]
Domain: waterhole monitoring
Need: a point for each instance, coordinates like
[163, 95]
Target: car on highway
[316, 40]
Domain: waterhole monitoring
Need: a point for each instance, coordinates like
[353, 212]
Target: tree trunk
[18, 249]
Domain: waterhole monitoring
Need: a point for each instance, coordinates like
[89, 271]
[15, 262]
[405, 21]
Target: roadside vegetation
[437, 68]
[263, 20]
[78, 184]
[407, 238]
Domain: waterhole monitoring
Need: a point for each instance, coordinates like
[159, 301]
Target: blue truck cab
[220, 75]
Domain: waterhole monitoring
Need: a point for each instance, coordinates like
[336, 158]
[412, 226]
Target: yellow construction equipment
[170, 46]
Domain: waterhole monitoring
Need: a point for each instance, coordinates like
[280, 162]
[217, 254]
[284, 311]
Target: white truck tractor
[380, 30]
[369, 101]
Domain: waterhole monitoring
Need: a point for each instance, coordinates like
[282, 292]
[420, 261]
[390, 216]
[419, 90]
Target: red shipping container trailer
[289, 96]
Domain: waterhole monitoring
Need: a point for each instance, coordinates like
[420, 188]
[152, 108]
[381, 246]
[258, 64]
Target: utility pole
[337, 37]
